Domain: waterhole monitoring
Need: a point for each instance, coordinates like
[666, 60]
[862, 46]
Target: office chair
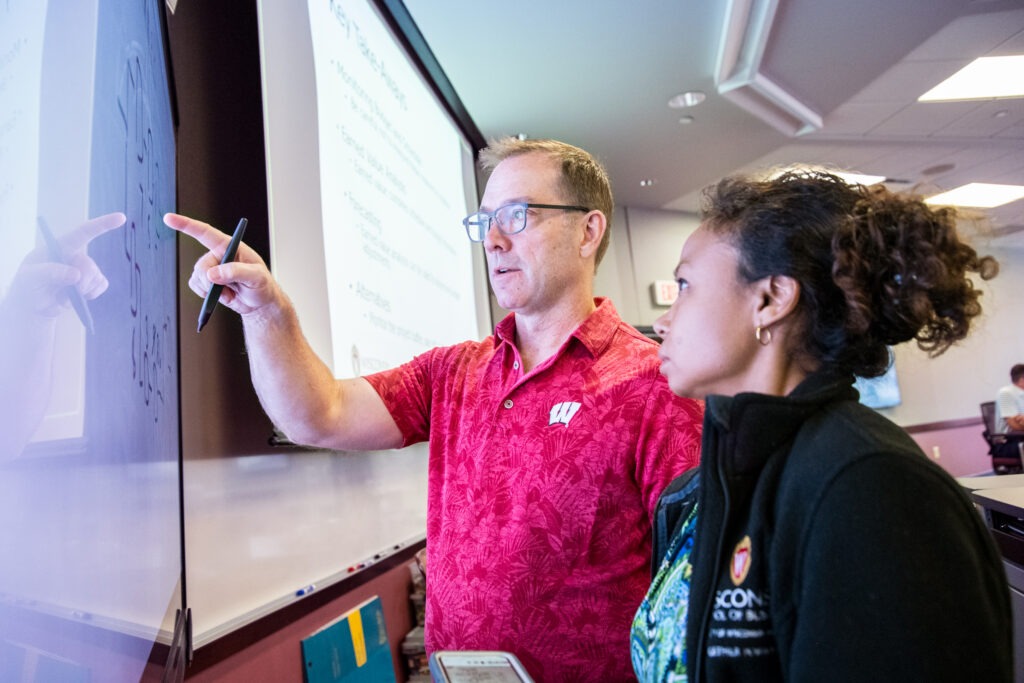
[1006, 449]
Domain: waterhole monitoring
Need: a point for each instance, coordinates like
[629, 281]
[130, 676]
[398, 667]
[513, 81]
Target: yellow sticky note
[355, 625]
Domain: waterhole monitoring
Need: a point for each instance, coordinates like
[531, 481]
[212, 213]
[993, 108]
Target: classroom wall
[654, 239]
[961, 450]
[613, 273]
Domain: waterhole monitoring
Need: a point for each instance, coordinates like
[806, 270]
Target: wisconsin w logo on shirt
[561, 413]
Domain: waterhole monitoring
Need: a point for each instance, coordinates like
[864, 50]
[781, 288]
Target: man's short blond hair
[584, 180]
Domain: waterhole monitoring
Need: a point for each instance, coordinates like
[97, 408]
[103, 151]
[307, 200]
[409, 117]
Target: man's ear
[593, 231]
[778, 298]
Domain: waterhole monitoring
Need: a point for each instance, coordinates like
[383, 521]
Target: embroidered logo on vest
[561, 413]
[740, 564]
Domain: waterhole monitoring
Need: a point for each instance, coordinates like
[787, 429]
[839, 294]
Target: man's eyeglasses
[510, 218]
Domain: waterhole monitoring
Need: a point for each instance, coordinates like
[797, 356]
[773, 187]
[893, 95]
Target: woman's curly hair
[875, 267]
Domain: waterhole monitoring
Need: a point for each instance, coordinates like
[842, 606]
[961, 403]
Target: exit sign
[664, 292]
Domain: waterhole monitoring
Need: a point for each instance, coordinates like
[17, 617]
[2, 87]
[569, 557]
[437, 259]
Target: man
[550, 441]
[1010, 403]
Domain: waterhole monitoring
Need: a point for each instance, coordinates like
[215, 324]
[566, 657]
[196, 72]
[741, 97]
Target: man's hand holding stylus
[296, 388]
[248, 285]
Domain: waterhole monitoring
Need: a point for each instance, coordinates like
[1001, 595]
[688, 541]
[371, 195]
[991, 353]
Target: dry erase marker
[210, 302]
[57, 255]
[305, 591]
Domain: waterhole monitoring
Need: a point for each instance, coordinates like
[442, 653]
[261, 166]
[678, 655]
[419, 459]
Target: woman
[820, 544]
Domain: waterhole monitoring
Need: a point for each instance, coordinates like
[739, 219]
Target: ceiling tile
[1013, 46]
[1006, 169]
[983, 121]
[969, 37]
[906, 81]
[859, 118]
[908, 161]
[924, 118]
[1014, 132]
[966, 161]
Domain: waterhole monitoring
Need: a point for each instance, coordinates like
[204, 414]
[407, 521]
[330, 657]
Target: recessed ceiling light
[647, 182]
[979, 195]
[984, 78]
[689, 98]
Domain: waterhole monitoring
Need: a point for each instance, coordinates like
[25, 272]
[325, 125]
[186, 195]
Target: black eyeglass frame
[525, 205]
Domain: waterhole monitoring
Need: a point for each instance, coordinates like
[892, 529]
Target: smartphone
[477, 666]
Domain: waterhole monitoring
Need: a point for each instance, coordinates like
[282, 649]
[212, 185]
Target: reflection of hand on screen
[36, 296]
[40, 285]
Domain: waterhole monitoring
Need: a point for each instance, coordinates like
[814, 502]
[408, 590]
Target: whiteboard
[262, 529]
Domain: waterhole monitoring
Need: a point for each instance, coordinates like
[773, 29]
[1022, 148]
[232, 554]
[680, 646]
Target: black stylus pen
[210, 302]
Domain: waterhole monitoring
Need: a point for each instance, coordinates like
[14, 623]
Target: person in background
[550, 441]
[1010, 403]
[816, 542]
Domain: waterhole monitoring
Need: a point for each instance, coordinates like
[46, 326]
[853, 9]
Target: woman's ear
[779, 296]
[593, 232]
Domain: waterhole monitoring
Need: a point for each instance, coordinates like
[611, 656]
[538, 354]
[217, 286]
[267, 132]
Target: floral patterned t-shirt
[541, 490]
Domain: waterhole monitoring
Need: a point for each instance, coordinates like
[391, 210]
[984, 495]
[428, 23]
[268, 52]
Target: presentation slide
[368, 188]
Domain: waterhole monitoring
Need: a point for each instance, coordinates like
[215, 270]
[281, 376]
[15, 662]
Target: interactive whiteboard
[89, 413]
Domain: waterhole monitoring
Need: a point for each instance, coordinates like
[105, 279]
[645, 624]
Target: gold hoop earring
[764, 340]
